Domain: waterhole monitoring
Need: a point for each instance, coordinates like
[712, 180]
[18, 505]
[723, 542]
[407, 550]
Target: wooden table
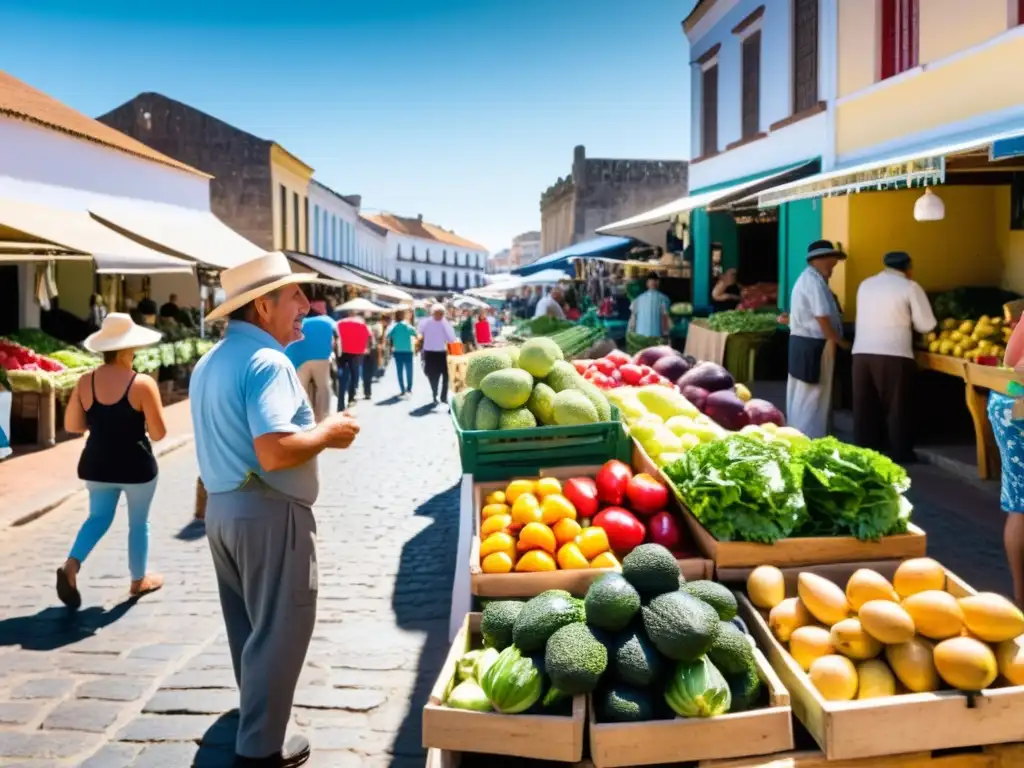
[978, 381]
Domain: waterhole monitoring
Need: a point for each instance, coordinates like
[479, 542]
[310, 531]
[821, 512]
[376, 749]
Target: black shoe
[295, 753]
[68, 595]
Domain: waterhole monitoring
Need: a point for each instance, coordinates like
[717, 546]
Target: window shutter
[752, 85]
[709, 112]
[805, 55]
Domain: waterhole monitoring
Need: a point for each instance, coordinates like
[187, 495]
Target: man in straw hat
[257, 443]
[890, 307]
[816, 329]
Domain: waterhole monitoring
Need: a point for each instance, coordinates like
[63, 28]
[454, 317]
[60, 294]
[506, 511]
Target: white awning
[920, 168]
[391, 292]
[186, 232]
[328, 269]
[78, 231]
[651, 227]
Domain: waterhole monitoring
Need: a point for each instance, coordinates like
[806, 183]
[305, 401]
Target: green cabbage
[513, 683]
[698, 689]
[468, 695]
[465, 668]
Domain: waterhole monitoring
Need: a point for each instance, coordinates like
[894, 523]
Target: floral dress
[1010, 438]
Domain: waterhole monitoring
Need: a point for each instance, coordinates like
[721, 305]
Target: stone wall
[240, 191]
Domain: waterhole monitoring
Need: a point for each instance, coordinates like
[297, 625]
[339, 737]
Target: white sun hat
[256, 278]
[120, 332]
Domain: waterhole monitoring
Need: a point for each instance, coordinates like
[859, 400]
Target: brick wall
[240, 191]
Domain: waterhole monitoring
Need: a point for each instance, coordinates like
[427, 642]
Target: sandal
[151, 582]
[68, 594]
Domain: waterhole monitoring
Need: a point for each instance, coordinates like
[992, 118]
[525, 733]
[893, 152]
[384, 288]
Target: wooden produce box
[498, 585]
[946, 719]
[540, 737]
[457, 372]
[735, 559]
[743, 734]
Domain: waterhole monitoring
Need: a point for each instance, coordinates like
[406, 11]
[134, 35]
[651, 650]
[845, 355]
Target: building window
[305, 221]
[899, 37]
[296, 222]
[414, 253]
[412, 277]
[444, 279]
[398, 251]
[805, 55]
[426, 278]
[316, 230]
[709, 111]
[336, 239]
[751, 55]
[284, 217]
[398, 275]
[444, 253]
[1020, 13]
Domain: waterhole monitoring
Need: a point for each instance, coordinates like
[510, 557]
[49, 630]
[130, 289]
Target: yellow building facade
[290, 179]
[947, 74]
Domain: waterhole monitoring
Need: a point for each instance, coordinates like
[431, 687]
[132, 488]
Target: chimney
[419, 217]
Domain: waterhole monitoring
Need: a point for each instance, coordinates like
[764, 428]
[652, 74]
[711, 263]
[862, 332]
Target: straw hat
[256, 278]
[119, 332]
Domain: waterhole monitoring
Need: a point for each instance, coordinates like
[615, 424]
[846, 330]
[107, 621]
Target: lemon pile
[968, 339]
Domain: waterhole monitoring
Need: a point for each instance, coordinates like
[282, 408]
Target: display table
[38, 407]
[978, 380]
[736, 352]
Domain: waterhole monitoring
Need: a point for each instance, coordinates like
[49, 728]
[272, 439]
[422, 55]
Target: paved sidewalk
[35, 483]
[149, 683]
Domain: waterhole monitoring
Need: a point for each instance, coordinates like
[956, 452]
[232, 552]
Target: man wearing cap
[257, 443]
[650, 311]
[890, 306]
[816, 330]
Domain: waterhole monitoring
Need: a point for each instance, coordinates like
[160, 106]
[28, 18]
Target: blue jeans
[103, 499]
[403, 365]
[349, 369]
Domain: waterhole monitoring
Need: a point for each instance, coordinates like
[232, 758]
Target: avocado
[745, 688]
[731, 651]
[497, 621]
[680, 626]
[635, 660]
[718, 596]
[622, 704]
[574, 659]
[651, 569]
[542, 616]
[611, 602]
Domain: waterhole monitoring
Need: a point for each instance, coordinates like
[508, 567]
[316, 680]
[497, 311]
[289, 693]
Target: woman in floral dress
[1009, 433]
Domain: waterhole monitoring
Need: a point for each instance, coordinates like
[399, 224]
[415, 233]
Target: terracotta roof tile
[422, 229]
[22, 101]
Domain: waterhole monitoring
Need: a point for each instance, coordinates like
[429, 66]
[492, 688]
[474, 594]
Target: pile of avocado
[627, 641]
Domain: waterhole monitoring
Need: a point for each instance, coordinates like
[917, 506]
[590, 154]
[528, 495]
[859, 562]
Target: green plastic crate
[503, 453]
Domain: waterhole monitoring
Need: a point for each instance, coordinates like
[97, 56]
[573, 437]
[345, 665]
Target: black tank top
[117, 449]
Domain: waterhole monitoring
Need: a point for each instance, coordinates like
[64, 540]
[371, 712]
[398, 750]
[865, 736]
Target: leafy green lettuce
[741, 489]
[852, 491]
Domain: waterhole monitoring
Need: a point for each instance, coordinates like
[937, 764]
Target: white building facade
[526, 249]
[333, 222]
[371, 249]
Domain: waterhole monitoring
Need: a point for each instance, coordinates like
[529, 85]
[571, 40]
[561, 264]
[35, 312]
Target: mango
[921, 574]
[824, 600]
[808, 644]
[966, 664]
[875, 680]
[835, 677]
[1010, 659]
[865, 585]
[849, 638]
[914, 665]
[787, 616]
[766, 587]
[992, 617]
[886, 621]
[937, 615]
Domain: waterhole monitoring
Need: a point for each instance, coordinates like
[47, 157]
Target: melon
[824, 599]
[992, 617]
[937, 615]
[921, 574]
[886, 621]
[966, 664]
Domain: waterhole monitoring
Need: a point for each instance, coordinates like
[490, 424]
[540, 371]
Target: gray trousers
[264, 554]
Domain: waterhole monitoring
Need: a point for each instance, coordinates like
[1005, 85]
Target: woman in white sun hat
[121, 411]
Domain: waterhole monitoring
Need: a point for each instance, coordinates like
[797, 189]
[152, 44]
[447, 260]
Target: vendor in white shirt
[890, 307]
[551, 305]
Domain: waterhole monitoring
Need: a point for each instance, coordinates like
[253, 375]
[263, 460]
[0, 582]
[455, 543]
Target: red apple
[625, 532]
[631, 374]
[646, 495]
[582, 492]
[612, 480]
[662, 528]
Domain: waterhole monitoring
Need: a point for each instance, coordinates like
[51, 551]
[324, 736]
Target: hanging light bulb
[929, 207]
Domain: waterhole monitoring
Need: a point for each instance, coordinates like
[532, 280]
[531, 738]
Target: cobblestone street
[149, 683]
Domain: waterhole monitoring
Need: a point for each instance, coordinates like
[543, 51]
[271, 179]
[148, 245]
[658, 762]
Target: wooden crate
[757, 732]
[457, 372]
[735, 559]
[540, 737]
[577, 582]
[895, 724]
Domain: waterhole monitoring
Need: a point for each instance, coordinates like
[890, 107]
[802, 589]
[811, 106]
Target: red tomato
[631, 374]
[663, 529]
[617, 377]
[590, 373]
[645, 494]
[601, 381]
[581, 365]
[612, 480]
[650, 378]
[582, 492]
[625, 532]
[605, 366]
[618, 357]
[646, 370]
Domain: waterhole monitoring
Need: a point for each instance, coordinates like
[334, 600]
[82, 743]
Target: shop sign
[1002, 149]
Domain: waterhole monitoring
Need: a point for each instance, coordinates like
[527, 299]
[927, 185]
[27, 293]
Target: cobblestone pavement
[149, 683]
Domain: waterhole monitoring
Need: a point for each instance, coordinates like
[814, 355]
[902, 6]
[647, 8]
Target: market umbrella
[361, 305]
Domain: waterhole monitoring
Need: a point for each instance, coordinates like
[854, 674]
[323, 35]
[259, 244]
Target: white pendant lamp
[929, 207]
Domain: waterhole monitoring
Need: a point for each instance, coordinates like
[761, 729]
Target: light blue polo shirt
[243, 388]
[317, 341]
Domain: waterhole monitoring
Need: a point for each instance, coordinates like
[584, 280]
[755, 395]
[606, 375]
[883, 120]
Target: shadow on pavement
[55, 627]
[195, 530]
[217, 747]
[393, 400]
[421, 602]
[423, 410]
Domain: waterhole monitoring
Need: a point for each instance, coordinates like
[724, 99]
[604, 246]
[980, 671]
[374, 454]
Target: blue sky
[462, 110]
